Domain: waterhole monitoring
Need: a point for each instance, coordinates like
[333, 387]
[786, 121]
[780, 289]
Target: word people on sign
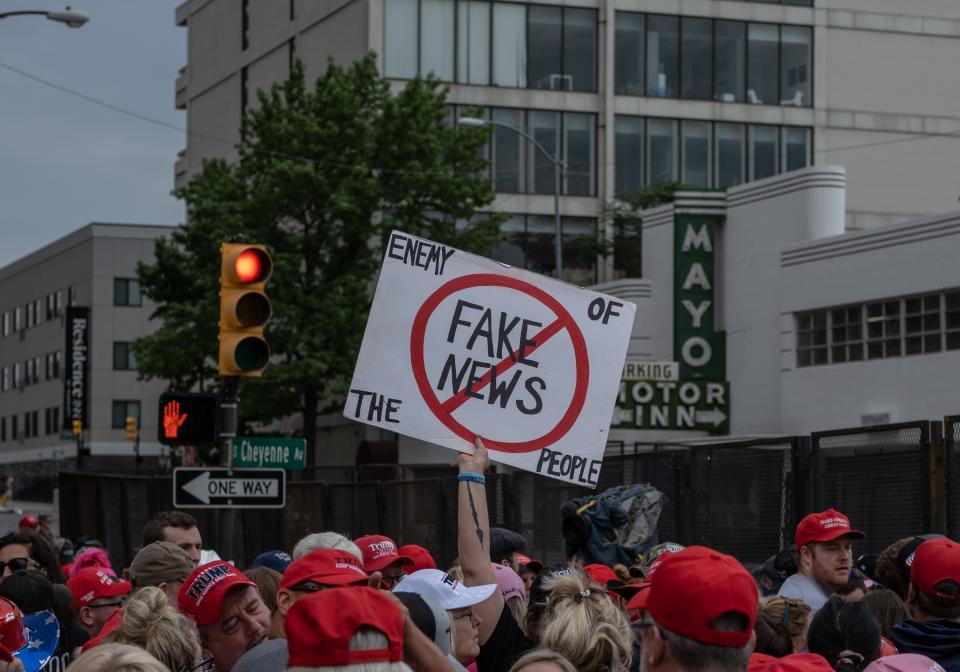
[636, 370]
[693, 405]
[472, 347]
[229, 488]
[260, 452]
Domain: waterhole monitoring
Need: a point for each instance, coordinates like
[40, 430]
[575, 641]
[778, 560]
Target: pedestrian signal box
[244, 309]
[187, 419]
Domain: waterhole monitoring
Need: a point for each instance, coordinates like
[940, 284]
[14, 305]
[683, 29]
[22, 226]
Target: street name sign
[222, 488]
[266, 452]
[457, 346]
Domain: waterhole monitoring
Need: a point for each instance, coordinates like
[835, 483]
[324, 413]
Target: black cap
[538, 594]
[420, 613]
[907, 553]
[504, 543]
[31, 591]
[867, 564]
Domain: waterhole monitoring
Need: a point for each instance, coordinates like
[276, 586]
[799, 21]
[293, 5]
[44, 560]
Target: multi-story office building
[713, 93]
[68, 315]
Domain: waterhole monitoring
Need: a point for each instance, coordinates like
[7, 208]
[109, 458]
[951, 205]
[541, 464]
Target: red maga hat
[694, 587]
[421, 557]
[92, 583]
[29, 521]
[379, 552]
[936, 560]
[201, 595]
[319, 627]
[825, 526]
[799, 662]
[325, 567]
[524, 560]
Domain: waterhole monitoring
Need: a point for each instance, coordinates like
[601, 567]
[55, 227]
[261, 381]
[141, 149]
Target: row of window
[878, 330]
[19, 375]
[518, 167]
[126, 292]
[34, 370]
[32, 313]
[704, 154]
[555, 48]
[121, 410]
[706, 59]
[492, 43]
[31, 425]
[530, 244]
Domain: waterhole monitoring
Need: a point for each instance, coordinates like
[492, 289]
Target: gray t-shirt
[270, 656]
[800, 587]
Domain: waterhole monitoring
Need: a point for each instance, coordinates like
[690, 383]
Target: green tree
[625, 214]
[323, 175]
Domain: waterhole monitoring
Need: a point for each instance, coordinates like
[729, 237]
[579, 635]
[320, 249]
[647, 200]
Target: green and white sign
[267, 452]
[673, 405]
[697, 346]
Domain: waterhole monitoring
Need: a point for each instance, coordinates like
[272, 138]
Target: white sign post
[457, 346]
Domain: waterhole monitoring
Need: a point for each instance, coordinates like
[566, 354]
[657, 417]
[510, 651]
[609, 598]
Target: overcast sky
[65, 162]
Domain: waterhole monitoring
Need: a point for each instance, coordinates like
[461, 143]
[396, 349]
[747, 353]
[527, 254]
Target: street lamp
[71, 17]
[476, 122]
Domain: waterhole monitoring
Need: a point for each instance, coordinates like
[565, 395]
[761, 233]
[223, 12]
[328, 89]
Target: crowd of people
[369, 605]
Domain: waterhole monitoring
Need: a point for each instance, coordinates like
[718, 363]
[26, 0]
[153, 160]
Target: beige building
[711, 92]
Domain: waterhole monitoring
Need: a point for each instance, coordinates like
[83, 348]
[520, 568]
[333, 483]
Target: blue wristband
[472, 476]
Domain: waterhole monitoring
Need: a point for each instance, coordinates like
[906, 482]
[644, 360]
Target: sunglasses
[15, 564]
[392, 580]
[112, 605]
[205, 665]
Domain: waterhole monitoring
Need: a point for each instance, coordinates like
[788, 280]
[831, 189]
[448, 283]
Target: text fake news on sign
[458, 346]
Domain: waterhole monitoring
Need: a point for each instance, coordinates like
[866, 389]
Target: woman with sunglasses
[152, 624]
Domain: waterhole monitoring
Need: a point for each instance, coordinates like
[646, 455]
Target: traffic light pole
[229, 400]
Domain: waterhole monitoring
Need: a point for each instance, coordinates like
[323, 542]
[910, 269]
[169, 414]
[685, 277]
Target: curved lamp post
[476, 122]
[73, 18]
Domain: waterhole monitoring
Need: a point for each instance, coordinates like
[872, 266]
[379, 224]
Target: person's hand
[13, 666]
[375, 579]
[478, 462]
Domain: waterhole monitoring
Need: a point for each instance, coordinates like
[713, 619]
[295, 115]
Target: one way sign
[210, 488]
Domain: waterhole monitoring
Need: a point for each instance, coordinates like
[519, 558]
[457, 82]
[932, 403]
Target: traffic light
[77, 426]
[131, 428]
[244, 309]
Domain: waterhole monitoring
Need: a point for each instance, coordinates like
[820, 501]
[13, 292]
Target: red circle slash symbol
[444, 410]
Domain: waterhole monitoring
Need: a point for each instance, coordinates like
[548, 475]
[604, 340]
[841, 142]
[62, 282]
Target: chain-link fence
[743, 497]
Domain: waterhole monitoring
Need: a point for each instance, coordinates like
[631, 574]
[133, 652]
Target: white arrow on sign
[713, 417]
[202, 487]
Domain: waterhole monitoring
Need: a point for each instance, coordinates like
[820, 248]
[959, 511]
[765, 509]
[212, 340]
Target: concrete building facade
[92, 269]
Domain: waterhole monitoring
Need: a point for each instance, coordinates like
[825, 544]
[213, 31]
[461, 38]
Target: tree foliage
[324, 174]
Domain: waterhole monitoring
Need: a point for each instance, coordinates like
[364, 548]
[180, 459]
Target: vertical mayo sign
[698, 346]
[458, 346]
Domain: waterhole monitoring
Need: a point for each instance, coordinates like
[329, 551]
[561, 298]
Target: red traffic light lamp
[244, 309]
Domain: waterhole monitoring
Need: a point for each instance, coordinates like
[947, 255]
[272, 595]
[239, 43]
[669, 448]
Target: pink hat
[510, 583]
[904, 662]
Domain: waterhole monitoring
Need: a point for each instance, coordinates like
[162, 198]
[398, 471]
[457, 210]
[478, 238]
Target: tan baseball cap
[160, 562]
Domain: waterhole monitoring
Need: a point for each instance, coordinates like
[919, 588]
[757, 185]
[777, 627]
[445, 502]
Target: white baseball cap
[443, 589]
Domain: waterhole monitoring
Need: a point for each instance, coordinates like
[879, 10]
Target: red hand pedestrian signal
[172, 420]
[173, 411]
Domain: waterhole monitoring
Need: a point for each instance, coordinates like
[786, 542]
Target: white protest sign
[458, 346]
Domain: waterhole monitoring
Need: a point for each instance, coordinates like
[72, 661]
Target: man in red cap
[96, 597]
[380, 555]
[700, 613]
[933, 602]
[28, 526]
[228, 610]
[824, 558]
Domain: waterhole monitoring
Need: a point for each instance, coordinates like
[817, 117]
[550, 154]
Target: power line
[150, 120]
